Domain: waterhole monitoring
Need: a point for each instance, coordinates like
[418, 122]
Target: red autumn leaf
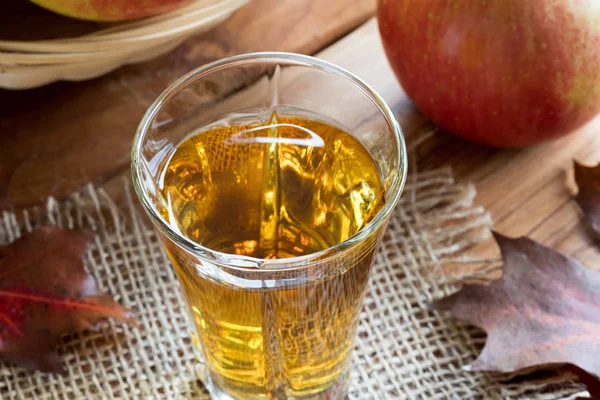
[544, 310]
[588, 181]
[44, 293]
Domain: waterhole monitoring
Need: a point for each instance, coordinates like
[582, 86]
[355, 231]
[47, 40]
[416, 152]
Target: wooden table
[67, 134]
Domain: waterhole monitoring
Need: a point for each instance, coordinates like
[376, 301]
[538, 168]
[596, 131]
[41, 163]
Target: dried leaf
[44, 293]
[590, 381]
[544, 310]
[588, 181]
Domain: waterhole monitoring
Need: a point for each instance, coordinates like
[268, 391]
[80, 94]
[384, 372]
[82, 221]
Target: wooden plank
[528, 192]
[67, 134]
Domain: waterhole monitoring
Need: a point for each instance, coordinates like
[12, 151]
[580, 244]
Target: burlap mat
[403, 350]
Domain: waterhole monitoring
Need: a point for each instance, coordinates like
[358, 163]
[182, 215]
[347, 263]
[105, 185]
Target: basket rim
[155, 29]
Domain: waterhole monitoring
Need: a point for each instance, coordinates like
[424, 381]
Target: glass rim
[241, 262]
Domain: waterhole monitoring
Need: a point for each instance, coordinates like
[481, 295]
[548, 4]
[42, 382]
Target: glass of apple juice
[270, 178]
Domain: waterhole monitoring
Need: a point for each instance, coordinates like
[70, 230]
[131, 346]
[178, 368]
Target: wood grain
[67, 134]
[528, 192]
[82, 132]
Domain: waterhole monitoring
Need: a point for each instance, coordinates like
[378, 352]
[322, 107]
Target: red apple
[110, 10]
[507, 73]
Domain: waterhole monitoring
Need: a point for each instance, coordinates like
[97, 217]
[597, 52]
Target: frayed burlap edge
[403, 349]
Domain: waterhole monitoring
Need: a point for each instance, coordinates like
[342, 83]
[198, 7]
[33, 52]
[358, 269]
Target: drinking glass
[270, 328]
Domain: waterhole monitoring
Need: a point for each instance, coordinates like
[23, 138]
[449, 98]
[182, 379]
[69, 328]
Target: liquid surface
[286, 187]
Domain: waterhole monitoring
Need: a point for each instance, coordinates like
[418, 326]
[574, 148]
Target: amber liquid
[284, 186]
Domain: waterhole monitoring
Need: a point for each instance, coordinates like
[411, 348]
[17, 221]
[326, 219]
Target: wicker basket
[28, 64]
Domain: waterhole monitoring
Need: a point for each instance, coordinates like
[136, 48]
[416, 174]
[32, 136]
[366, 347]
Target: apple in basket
[110, 10]
[506, 73]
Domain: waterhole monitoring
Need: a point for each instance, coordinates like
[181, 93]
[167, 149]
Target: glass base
[337, 391]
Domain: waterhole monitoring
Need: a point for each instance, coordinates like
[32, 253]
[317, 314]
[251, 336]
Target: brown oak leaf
[544, 310]
[592, 382]
[588, 181]
[44, 293]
